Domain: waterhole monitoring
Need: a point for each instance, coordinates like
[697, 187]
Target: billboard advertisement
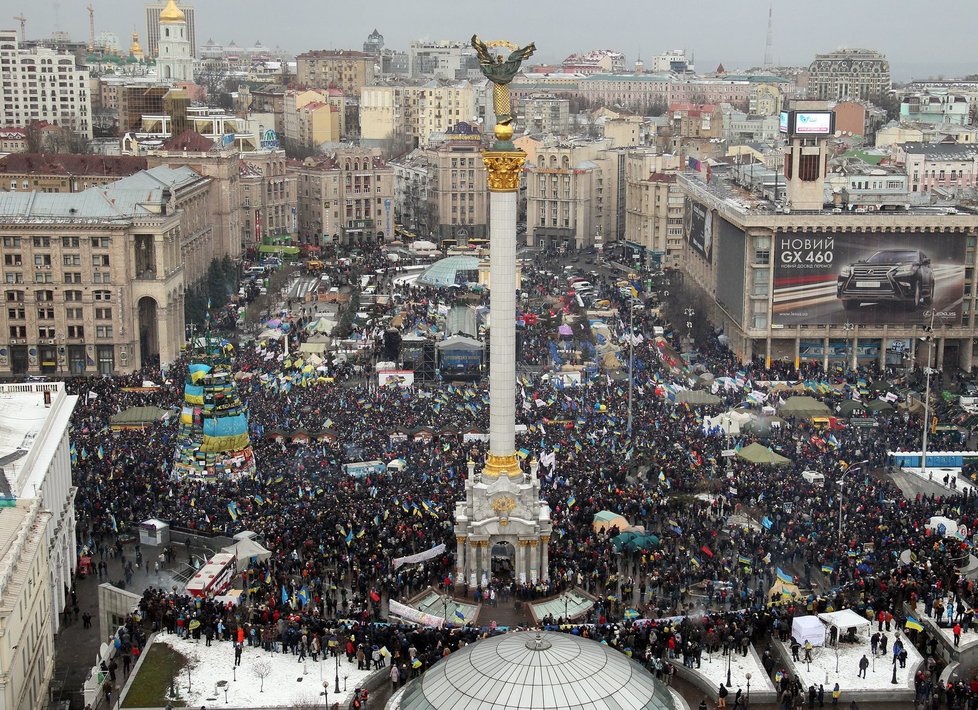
[732, 256]
[784, 120]
[868, 278]
[813, 123]
[699, 229]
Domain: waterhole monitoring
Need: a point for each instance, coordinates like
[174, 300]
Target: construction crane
[91, 27]
[23, 26]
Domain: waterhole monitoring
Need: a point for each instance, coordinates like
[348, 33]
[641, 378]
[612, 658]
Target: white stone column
[459, 559]
[544, 558]
[532, 554]
[502, 324]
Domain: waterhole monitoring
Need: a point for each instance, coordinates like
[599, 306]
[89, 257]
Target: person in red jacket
[957, 634]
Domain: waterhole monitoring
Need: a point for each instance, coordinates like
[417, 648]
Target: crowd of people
[336, 536]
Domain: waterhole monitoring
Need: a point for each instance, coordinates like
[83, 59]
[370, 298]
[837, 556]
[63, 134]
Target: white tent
[950, 527]
[808, 628]
[844, 619]
[246, 549]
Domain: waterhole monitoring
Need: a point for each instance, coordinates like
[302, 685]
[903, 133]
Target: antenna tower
[91, 27]
[769, 45]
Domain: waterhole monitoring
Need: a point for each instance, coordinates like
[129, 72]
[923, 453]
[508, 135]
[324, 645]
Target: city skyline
[900, 37]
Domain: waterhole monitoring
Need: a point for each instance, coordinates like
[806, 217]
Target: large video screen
[699, 229]
[868, 278]
[809, 123]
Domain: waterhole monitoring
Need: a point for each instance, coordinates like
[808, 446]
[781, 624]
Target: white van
[814, 477]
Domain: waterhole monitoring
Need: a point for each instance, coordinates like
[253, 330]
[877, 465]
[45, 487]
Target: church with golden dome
[175, 60]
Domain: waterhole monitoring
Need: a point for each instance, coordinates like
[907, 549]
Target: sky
[920, 40]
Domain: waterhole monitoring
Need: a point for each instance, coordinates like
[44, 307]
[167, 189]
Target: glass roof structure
[529, 670]
[451, 271]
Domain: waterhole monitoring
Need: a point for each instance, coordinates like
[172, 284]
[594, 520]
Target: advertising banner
[731, 255]
[419, 557]
[868, 278]
[699, 229]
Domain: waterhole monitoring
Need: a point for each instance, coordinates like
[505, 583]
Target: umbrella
[565, 330]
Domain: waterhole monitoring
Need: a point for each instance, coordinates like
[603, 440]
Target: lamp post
[747, 704]
[927, 373]
[851, 469]
[337, 688]
[730, 652]
[326, 693]
[847, 328]
[631, 360]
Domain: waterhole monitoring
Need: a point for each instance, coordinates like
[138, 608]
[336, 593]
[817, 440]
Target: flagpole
[631, 358]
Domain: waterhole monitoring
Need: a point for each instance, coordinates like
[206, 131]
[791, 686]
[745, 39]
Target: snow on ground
[715, 669]
[823, 665]
[937, 476]
[967, 639]
[284, 685]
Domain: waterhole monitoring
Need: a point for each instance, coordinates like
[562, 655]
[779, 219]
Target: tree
[262, 669]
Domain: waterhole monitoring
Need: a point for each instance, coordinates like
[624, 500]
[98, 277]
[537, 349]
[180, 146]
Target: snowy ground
[967, 639]
[287, 683]
[577, 606]
[715, 669]
[432, 604]
[937, 476]
[878, 675]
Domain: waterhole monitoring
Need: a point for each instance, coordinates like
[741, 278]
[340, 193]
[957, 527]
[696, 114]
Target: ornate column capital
[504, 169]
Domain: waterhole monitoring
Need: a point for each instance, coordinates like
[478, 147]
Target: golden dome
[134, 49]
[172, 13]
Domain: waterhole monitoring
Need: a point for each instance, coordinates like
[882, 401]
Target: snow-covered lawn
[967, 639]
[823, 665]
[286, 683]
[937, 476]
[715, 669]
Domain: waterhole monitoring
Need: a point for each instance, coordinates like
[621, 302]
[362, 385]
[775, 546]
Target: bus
[214, 578]
[479, 243]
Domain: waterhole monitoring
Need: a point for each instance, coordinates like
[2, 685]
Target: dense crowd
[669, 476]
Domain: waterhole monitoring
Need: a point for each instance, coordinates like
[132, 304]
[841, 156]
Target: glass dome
[451, 271]
[530, 670]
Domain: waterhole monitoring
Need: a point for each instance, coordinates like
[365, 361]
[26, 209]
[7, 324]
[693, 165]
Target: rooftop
[946, 151]
[21, 532]
[70, 164]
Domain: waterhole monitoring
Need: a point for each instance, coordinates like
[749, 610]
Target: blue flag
[285, 595]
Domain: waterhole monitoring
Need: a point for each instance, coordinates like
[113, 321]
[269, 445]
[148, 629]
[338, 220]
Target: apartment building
[346, 197]
[442, 59]
[933, 166]
[268, 196]
[849, 74]
[544, 113]
[64, 172]
[309, 119]
[653, 209]
[457, 190]
[414, 112]
[343, 69]
[411, 178]
[43, 84]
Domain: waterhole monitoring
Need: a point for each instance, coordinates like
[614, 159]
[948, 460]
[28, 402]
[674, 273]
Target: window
[15, 297]
[16, 313]
[12, 260]
[70, 259]
[72, 277]
[43, 277]
[103, 314]
[44, 296]
[101, 277]
[42, 241]
[73, 296]
[76, 331]
[69, 242]
[101, 242]
[45, 332]
[11, 242]
[18, 331]
[13, 277]
[73, 313]
[41, 260]
[100, 260]
[103, 295]
[45, 313]
[103, 331]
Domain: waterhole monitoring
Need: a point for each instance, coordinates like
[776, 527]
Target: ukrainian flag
[913, 625]
[743, 560]
[696, 562]
[785, 577]
[828, 569]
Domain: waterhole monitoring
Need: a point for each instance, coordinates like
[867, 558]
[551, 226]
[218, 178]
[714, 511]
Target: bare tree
[262, 669]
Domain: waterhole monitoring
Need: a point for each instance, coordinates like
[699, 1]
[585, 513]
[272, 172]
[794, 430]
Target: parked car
[901, 275]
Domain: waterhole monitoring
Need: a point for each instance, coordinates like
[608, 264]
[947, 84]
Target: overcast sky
[920, 39]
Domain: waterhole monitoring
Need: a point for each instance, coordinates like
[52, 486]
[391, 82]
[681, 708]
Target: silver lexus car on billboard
[903, 276]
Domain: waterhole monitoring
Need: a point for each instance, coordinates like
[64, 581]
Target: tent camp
[756, 453]
[696, 398]
[136, 418]
[730, 422]
[844, 619]
[808, 628]
[605, 520]
[803, 408]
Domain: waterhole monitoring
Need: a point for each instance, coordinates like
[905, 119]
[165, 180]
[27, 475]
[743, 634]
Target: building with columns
[502, 520]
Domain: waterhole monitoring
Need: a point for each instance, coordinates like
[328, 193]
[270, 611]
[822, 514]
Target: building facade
[94, 281]
[36, 439]
[411, 206]
[545, 113]
[849, 74]
[457, 187]
[343, 69]
[442, 59]
[64, 172]
[310, 120]
[268, 196]
[152, 11]
[347, 197]
[936, 107]
[27, 644]
[932, 166]
[653, 210]
[42, 84]
[413, 113]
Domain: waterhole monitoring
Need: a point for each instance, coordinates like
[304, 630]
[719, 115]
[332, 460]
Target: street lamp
[927, 373]
[337, 688]
[730, 652]
[747, 704]
[851, 469]
[848, 327]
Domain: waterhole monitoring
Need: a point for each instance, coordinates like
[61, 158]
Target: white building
[442, 59]
[176, 61]
[672, 60]
[43, 84]
[26, 634]
[34, 449]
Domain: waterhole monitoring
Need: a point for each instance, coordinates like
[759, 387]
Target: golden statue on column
[501, 72]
